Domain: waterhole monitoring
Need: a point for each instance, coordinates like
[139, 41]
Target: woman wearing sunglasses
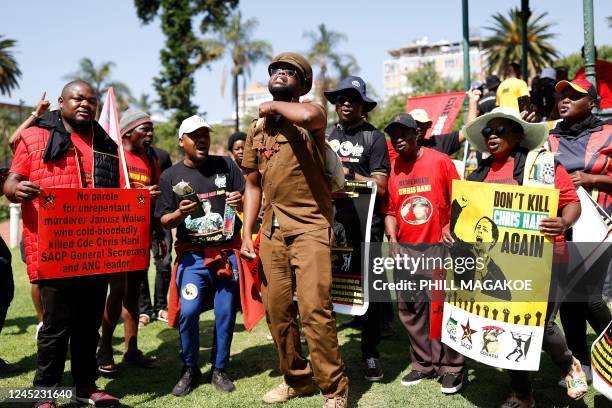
[508, 139]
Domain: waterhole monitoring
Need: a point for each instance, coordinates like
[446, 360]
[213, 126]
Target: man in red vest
[65, 148]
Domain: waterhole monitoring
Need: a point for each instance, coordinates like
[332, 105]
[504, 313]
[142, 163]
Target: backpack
[329, 160]
[334, 170]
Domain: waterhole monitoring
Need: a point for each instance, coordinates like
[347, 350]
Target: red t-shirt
[84, 148]
[502, 174]
[83, 145]
[139, 170]
[420, 195]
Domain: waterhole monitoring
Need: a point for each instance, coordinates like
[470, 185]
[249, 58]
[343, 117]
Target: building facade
[447, 58]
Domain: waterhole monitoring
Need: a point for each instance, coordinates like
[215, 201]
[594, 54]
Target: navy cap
[352, 83]
[402, 119]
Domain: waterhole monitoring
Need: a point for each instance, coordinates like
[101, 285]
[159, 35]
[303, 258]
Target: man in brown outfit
[281, 157]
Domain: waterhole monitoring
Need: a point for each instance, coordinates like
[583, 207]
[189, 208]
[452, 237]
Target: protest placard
[353, 210]
[92, 231]
[497, 313]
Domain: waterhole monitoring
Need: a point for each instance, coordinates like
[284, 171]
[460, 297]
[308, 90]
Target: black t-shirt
[365, 155]
[447, 143]
[487, 102]
[366, 159]
[219, 175]
[163, 158]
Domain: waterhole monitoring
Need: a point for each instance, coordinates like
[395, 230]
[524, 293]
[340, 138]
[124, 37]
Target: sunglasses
[499, 131]
[352, 99]
[290, 72]
[572, 95]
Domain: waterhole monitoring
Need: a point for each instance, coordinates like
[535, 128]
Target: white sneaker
[38, 327]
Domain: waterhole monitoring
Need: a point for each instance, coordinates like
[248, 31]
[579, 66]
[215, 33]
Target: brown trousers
[428, 356]
[302, 263]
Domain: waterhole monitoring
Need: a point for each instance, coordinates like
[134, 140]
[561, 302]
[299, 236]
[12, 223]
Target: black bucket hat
[353, 83]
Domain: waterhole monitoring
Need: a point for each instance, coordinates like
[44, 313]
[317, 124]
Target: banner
[91, 231]
[353, 210]
[496, 312]
[442, 110]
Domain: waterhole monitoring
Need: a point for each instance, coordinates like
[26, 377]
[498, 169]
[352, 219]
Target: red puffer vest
[60, 173]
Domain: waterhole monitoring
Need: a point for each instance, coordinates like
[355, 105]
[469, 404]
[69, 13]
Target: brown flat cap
[300, 63]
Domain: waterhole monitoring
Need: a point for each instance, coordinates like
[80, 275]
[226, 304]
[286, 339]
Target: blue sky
[53, 35]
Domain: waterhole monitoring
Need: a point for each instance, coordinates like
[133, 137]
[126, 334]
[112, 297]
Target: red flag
[250, 285]
[109, 120]
[442, 110]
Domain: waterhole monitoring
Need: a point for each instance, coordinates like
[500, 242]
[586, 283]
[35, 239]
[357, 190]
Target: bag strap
[316, 149]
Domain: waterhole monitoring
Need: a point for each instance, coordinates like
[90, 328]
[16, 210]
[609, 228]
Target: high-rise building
[447, 57]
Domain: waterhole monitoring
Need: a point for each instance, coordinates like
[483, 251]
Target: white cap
[549, 73]
[192, 124]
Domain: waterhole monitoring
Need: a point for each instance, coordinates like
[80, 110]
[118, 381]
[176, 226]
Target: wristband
[34, 113]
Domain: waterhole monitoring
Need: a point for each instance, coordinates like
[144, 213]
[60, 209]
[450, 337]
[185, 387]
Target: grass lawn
[254, 367]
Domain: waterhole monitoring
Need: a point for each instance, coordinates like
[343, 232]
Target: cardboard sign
[492, 317]
[92, 231]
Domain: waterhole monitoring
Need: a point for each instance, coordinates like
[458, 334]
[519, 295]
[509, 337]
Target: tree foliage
[143, 103]
[100, 78]
[574, 62]
[504, 44]
[183, 53]
[323, 53]
[9, 69]
[382, 114]
[236, 39]
[427, 81]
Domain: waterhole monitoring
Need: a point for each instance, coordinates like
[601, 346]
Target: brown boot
[283, 393]
[339, 401]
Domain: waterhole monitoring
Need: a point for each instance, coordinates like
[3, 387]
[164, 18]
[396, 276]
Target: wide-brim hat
[298, 62]
[534, 134]
[352, 84]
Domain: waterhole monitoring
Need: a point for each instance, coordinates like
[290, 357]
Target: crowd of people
[275, 179]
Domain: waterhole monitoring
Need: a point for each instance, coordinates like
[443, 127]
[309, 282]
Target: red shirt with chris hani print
[420, 195]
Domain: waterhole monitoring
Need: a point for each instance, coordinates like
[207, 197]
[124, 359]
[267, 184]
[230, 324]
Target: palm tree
[323, 53]
[100, 78]
[142, 103]
[504, 44]
[236, 38]
[9, 70]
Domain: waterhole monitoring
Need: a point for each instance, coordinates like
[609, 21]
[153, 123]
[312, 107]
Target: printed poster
[353, 210]
[496, 312]
[86, 231]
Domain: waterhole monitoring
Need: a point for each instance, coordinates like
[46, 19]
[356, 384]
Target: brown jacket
[293, 178]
